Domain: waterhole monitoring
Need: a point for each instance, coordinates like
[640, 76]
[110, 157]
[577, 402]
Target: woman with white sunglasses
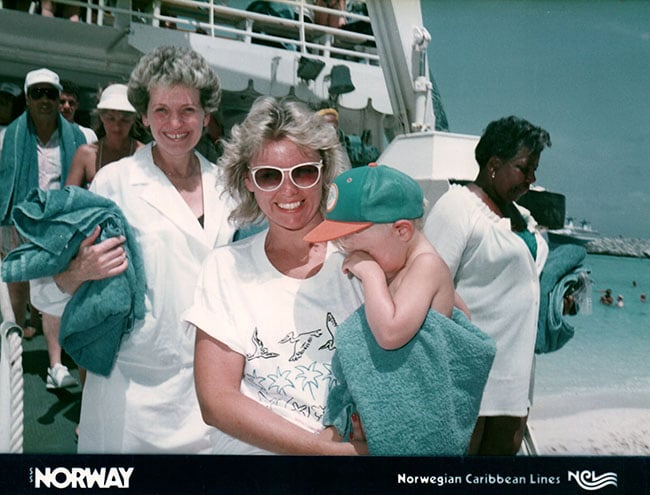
[266, 308]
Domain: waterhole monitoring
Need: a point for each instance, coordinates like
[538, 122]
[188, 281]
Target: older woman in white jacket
[171, 197]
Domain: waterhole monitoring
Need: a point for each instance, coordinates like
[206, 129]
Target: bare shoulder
[428, 262]
[87, 150]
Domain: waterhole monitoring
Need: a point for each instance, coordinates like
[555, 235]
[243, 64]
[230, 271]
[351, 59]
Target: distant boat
[581, 234]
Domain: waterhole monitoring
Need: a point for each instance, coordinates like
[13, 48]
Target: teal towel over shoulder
[422, 399]
[19, 160]
[101, 311]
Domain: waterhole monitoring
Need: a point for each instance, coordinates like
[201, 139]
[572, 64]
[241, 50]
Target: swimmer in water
[607, 298]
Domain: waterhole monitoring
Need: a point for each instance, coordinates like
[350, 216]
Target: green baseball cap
[366, 195]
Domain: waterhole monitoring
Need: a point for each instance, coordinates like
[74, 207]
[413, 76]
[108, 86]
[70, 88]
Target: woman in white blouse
[495, 255]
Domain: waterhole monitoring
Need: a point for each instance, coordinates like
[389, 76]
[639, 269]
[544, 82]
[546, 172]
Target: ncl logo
[587, 480]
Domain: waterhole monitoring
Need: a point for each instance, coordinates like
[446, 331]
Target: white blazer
[148, 404]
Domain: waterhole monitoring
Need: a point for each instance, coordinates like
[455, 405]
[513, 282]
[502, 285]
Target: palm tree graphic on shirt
[280, 380]
[310, 376]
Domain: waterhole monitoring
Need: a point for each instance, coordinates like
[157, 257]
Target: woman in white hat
[117, 119]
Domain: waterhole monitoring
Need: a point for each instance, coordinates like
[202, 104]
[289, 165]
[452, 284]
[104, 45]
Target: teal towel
[421, 399]
[19, 161]
[101, 311]
[562, 271]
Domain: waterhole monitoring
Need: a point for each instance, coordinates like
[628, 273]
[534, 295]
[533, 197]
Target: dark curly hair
[505, 137]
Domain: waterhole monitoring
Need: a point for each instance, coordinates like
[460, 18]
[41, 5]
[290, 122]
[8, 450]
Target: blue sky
[580, 69]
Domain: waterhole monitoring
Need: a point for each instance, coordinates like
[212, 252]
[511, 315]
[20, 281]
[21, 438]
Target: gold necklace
[189, 175]
[194, 167]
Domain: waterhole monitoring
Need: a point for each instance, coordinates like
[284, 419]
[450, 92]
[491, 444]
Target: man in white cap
[36, 150]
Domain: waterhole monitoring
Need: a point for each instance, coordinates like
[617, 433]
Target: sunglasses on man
[38, 93]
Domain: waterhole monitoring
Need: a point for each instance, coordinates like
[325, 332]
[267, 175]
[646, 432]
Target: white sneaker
[59, 377]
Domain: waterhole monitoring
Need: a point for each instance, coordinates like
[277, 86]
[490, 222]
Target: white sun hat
[114, 98]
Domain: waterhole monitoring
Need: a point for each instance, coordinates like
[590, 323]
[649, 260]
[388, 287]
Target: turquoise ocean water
[610, 351]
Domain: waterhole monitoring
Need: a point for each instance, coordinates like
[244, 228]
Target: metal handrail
[217, 20]
[528, 444]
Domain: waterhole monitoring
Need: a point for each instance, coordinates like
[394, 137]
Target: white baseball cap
[11, 88]
[114, 98]
[42, 76]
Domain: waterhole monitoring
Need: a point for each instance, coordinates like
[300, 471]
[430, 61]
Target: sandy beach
[596, 423]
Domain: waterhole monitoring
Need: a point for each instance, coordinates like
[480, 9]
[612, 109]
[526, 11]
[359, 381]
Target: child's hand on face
[359, 263]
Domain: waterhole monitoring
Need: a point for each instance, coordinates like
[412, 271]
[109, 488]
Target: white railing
[11, 378]
[529, 444]
[213, 19]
